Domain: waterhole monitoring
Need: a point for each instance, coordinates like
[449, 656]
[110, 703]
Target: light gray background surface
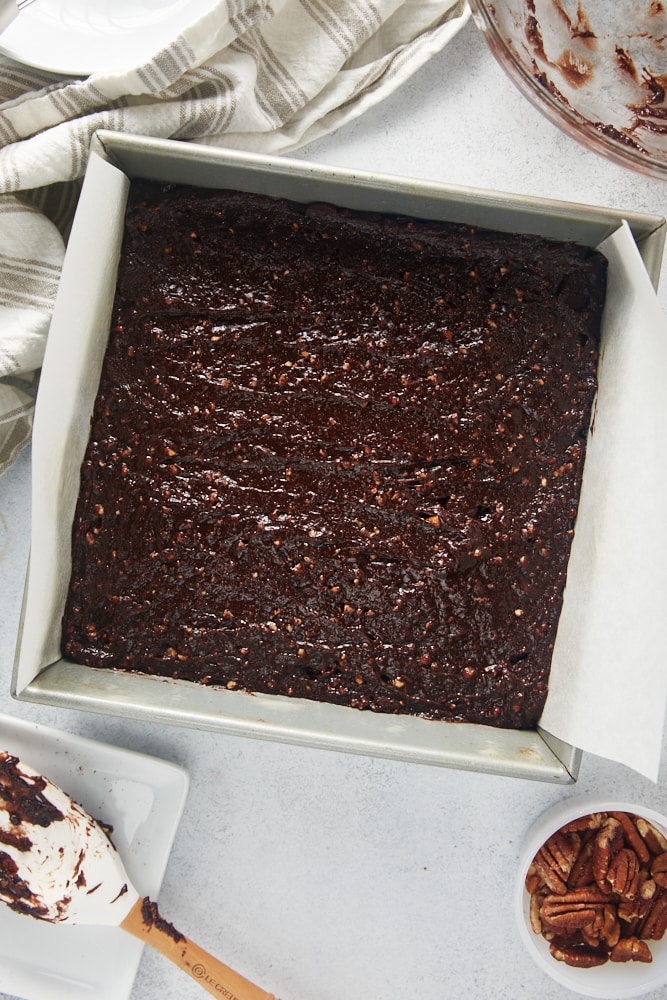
[324, 876]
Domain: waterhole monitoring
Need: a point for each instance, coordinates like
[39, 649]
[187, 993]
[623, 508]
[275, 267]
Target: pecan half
[534, 881]
[653, 838]
[583, 824]
[604, 928]
[636, 909]
[659, 869]
[554, 860]
[535, 913]
[579, 956]
[623, 874]
[572, 911]
[608, 842]
[581, 872]
[633, 838]
[631, 950]
[654, 924]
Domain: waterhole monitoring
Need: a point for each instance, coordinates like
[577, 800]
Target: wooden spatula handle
[145, 923]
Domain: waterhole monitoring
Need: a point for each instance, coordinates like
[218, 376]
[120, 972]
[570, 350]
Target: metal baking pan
[68, 386]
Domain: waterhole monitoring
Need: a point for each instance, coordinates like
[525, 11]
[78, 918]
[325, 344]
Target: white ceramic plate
[143, 799]
[80, 37]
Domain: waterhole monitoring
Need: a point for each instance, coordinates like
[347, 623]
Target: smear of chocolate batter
[152, 918]
[23, 799]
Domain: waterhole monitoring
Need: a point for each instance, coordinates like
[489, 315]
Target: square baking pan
[70, 375]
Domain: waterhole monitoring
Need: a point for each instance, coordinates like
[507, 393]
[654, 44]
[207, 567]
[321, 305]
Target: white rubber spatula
[58, 864]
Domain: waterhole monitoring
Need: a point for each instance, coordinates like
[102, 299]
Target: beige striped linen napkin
[260, 75]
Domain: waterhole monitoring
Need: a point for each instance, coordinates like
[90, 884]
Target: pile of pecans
[598, 889]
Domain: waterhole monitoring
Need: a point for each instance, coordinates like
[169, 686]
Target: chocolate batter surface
[335, 455]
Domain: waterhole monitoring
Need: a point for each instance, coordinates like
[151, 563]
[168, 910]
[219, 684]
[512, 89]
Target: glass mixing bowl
[595, 68]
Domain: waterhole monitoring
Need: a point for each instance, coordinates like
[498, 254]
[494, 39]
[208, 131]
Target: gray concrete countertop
[326, 876]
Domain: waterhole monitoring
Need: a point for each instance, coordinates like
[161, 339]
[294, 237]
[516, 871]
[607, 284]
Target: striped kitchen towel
[259, 75]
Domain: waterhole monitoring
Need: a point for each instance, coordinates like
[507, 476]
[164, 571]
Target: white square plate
[142, 798]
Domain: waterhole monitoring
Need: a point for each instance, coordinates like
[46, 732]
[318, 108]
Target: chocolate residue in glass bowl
[572, 63]
[652, 115]
[597, 69]
[622, 66]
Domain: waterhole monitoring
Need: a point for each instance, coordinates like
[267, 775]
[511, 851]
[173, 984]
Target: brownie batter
[335, 455]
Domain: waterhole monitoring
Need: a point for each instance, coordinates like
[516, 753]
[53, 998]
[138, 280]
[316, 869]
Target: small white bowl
[614, 980]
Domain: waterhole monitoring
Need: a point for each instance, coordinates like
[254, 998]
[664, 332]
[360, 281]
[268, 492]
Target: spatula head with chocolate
[58, 864]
